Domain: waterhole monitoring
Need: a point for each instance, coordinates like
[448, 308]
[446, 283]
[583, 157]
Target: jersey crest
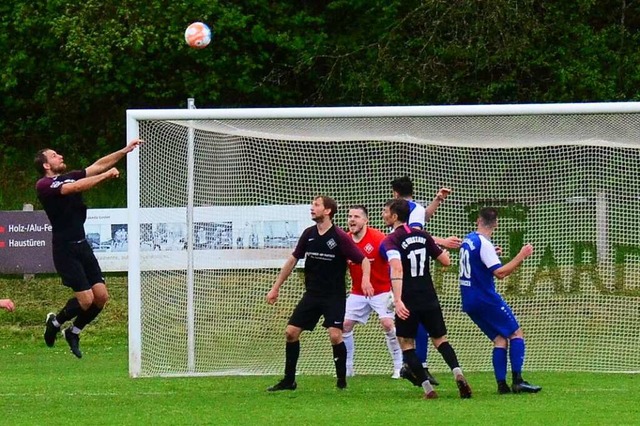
[332, 243]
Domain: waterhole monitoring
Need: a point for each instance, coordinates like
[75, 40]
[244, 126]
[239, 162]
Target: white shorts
[359, 307]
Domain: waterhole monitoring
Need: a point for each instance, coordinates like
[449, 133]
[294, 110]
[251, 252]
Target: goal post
[218, 197]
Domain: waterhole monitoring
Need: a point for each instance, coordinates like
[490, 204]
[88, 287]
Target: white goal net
[217, 199]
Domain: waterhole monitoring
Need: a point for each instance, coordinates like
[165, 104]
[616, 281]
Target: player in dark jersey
[61, 196]
[416, 301]
[402, 187]
[325, 248]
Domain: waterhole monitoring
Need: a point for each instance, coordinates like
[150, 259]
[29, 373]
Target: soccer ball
[198, 35]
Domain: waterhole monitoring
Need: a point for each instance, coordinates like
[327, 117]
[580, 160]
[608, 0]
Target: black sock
[85, 317]
[449, 355]
[340, 359]
[292, 353]
[517, 377]
[415, 366]
[69, 312]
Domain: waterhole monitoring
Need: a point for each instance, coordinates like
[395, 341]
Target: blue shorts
[495, 320]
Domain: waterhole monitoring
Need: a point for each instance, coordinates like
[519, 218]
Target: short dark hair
[39, 160]
[488, 216]
[361, 207]
[399, 207]
[403, 186]
[328, 203]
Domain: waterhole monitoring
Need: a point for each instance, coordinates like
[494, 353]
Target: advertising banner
[223, 238]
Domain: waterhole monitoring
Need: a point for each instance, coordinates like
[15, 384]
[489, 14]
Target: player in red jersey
[373, 296]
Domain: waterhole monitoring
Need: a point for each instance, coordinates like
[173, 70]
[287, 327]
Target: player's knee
[101, 300]
[292, 334]
[335, 336]
[85, 303]
[500, 342]
[517, 335]
[387, 324]
[437, 341]
[347, 326]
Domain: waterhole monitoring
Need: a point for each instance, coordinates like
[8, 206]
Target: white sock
[75, 330]
[55, 323]
[394, 348]
[457, 372]
[426, 385]
[348, 342]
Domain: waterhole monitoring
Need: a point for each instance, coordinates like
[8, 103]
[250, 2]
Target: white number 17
[417, 258]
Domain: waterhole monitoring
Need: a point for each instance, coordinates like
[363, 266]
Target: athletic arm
[285, 271]
[451, 242]
[444, 258]
[108, 161]
[87, 183]
[506, 269]
[395, 268]
[430, 210]
[367, 288]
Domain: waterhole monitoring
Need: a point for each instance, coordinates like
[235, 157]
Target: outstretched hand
[451, 242]
[133, 144]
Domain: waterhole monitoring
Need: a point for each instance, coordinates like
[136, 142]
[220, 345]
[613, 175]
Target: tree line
[71, 69]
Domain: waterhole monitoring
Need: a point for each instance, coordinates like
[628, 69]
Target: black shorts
[431, 319]
[310, 308]
[77, 265]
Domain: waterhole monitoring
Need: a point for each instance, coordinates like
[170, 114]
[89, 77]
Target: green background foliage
[70, 70]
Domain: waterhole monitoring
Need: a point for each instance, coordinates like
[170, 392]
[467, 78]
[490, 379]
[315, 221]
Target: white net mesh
[566, 183]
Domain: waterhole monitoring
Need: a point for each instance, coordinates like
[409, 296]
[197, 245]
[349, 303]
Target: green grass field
[42, 385]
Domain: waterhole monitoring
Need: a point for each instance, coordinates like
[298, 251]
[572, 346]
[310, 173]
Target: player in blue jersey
[325, 248]
[416, 301]
[479, 264]
[402, 187]
[60, 193]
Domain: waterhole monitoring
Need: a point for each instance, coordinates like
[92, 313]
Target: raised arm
[87, 183]
[108, 161]
[506, 269]
[442, 195]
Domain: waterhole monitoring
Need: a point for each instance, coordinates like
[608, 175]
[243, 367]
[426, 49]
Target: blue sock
[516, 356]
[500, 363]
[422, 343]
